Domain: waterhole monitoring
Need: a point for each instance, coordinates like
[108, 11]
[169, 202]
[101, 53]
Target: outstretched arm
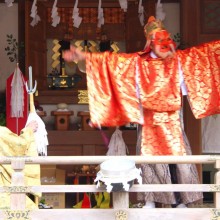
[74, 54]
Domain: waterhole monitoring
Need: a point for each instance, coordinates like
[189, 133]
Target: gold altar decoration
[83, 97]
[60, 81]
[86, 45]
[56, 55]
[93, 46]
[115, 47]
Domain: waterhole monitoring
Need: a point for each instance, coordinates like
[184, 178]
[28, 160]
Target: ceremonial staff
[41, 133]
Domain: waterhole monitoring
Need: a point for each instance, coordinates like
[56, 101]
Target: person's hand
[73, 54]
[32, 125]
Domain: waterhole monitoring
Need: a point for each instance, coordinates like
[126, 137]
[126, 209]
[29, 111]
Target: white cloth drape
[34, 15]
[77, 20]
[40, 134]
[141, 12]
[54, 15]
[160, 14]
[101, 19]
[9, 3]
[117, 145]
[123, 5]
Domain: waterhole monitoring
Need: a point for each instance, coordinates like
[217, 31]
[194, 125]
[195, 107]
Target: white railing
[120, 200]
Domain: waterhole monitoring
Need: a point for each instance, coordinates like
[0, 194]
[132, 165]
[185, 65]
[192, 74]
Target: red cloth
[86, 201]
[201, 67]
[15, 124]
[112, 81]
[76, 180]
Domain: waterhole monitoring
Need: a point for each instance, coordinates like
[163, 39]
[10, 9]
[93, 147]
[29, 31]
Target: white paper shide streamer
[77, 20]
[17, 94]
[9, 3]
[123, 5]
[54, 15]
[34, 15]
[141, 12]
[117, 146]
[160, 14]
[101, 19]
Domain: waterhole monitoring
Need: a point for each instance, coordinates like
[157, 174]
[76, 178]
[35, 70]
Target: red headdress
[152, 28]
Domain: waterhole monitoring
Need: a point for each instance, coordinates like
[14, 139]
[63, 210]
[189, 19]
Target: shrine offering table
[62, 119]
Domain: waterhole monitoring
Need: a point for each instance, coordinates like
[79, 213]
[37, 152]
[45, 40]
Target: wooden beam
[104, 1]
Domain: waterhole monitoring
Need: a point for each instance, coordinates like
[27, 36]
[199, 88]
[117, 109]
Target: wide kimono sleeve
[112, 89]
[201, 70]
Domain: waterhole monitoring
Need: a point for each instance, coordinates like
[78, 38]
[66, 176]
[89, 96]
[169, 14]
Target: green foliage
[178, 39]
[43, 201]
[2, 119]
[13, 48]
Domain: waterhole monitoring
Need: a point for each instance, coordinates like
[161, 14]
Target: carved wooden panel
[200, 21]
[210, 16]
[114, 24]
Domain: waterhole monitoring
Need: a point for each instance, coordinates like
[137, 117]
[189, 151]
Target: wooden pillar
[120, 200]
[217, 181]
[18, 199]
[135, 39]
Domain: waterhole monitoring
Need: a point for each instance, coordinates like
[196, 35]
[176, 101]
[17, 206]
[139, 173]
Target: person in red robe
[146, 88]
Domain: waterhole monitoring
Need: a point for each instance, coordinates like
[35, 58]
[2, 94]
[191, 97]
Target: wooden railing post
[120, 202]
[18, 199]
[217, 181]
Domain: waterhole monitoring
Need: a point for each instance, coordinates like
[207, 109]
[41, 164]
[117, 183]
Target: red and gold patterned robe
[115, 79]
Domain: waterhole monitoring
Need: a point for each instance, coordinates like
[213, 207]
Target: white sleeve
[182, 82]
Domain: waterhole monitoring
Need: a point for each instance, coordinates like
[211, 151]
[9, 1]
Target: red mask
[163, 40]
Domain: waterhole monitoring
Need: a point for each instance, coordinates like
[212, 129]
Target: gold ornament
[56, 54]
[115, 47]
[121, 215]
